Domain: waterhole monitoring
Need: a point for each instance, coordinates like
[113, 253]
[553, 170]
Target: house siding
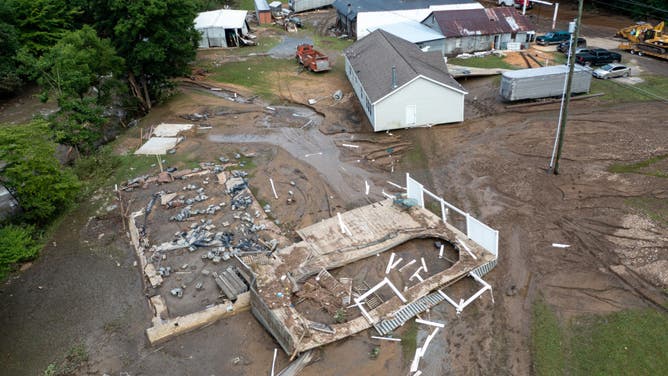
[365, 102]
[435, 104]
[433, 45]
[452, 46]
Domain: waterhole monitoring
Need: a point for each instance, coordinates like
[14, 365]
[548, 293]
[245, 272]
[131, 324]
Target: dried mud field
[87, 289]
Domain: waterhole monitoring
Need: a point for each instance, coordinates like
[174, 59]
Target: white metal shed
[221, 28]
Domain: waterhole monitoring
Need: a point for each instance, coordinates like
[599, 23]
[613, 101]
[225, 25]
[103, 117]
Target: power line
[626, 8]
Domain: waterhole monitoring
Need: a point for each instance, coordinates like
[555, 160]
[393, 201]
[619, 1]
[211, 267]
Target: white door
[411, 114]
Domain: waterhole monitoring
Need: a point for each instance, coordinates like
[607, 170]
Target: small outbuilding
[400, 86]
[472, 30]
[262, 12]
[222, 28]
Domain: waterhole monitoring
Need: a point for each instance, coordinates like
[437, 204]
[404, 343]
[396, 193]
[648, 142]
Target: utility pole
[564, 112]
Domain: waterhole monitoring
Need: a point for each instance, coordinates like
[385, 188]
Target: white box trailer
[304, 5]
[543, 82]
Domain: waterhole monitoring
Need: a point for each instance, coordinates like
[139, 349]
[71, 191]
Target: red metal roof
[487, 21]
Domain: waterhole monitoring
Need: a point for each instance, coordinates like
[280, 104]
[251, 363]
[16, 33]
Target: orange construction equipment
[648, 41]
[312, 59]
[634, 32]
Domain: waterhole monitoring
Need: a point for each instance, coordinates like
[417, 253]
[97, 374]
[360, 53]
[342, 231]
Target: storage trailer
[543, 82]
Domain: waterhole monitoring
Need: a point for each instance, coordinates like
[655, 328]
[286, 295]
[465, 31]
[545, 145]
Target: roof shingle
[373, 57]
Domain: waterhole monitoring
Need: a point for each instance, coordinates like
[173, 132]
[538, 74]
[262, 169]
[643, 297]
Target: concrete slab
[170, 130]
[157, 146]
[629, 80]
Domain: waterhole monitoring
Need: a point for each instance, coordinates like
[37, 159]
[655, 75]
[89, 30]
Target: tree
[78, 63]
[157, 39]
[79, 71]
[32, 173]
[9, 47]
[42, 22]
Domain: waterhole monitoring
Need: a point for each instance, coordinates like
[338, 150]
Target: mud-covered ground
[85, 287]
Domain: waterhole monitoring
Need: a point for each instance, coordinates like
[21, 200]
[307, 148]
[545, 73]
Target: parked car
[507, 3]
[612, 70]
[554, 37]
[563, 46]
[597, 56]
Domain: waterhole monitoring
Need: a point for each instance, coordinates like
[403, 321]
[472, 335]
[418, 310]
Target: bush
[17, 244]
[33, 174]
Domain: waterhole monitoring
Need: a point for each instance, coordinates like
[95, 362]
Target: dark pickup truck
[597, 56]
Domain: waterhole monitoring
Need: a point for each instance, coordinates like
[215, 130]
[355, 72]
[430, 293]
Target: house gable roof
[357, 6]
[487, 21]
[373, 57]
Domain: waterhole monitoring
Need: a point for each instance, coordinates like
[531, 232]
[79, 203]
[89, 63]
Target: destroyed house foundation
[354, 236]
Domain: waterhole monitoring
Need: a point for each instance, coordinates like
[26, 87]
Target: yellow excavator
[645, 40]
[631, 33]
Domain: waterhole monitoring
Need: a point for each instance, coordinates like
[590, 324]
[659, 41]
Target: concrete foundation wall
[270, 321]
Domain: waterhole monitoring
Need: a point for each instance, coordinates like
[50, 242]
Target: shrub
[16, 244]
[33, 174]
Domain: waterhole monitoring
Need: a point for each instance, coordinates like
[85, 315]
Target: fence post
[444, 214]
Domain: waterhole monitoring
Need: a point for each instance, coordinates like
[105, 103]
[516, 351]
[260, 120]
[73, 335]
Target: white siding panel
[434, 104]
[359, 91]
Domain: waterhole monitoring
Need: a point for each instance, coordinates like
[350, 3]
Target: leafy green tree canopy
[157, 39]
[79, 62]
[33, 174]
[9, 47]
[42, 22]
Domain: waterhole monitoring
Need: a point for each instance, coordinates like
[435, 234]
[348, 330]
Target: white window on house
[411, 114]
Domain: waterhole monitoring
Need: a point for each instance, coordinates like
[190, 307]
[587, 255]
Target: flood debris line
[382, 150]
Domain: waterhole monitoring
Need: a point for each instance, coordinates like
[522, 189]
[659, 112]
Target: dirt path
[495, 168]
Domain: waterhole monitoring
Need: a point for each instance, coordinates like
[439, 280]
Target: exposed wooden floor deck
[371, 229]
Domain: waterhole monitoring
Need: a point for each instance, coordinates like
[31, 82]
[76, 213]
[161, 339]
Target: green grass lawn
[547, 342]
[648, 90]
[257, 74]
[630, 342]
[489, 61]
[623, 343]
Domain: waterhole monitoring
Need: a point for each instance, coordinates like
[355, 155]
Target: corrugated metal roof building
[358, 18]
[474, 30]
[400, 86]
[221, 28]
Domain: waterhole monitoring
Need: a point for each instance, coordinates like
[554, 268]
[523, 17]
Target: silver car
[612, 70]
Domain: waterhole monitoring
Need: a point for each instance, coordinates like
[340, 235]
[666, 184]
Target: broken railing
[483, 235]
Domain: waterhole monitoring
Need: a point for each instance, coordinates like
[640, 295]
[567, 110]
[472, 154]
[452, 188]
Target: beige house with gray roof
[399, 86]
